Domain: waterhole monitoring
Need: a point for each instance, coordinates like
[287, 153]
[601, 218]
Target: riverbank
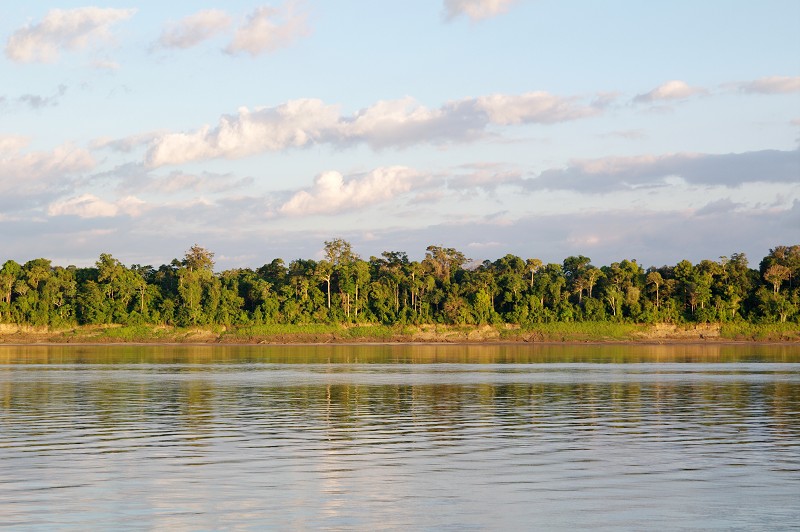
[577, 332]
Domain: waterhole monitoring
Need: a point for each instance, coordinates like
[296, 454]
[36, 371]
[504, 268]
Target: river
[494, 437]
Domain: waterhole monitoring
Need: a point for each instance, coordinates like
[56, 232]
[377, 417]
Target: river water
[512, 437]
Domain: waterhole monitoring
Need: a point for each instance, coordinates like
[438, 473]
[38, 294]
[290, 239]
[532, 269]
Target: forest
[443, 288]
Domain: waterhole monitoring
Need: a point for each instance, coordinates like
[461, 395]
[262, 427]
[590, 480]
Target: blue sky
[616, 129]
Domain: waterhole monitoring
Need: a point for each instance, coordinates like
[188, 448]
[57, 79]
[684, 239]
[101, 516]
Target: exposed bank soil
[669, 331]
[659, 333]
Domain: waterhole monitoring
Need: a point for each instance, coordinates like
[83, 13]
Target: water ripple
[396, 446]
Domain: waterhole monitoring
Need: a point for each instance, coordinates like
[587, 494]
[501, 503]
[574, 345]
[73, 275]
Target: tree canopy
[444, 287]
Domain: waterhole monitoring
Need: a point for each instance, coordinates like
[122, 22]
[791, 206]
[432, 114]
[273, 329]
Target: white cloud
[331, 193]
[670, 91]
[771, 85]
[195, 29]
[135, 180]
[127, 144]
[12, 144]
[30, 173]
[404, 122]
[476, 9]
[295, 123]
[268, 29]
[90, 206]
[651, 237]
[532, 107]
[399, 123]
[70, 29]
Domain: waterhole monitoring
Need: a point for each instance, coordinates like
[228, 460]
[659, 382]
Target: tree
[509, 275]
[391, 271]
[654, 278]
[119, 284]
[338, 251]
[9, 274]
[324, 271]
[613, 295]
[776, 306]
[195, 280]
[443, 261]
[362, 278]
[339, 254]
[788, 256]
[392, 289]
[199, 259]
[776, 275]
[591, 276]
[59, 291]
[142, 274]
[733, 285]
[574, 266]
[533, 266]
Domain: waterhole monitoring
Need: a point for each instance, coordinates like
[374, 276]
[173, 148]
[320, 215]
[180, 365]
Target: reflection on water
[398, 354]
[496, 437]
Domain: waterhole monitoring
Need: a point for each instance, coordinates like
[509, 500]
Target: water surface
[398, 437]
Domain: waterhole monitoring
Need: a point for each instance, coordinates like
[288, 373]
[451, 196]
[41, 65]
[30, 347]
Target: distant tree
[654, 278]
[444, 261]
[776, 275]
[324, 271]
[199, 259]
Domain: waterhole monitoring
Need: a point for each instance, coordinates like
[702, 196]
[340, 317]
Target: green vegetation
[390, 297]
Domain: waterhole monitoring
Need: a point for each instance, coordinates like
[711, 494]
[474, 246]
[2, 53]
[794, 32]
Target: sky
[614, 129]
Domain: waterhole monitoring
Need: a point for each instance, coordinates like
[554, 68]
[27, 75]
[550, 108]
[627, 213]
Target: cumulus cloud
[90, 206]
[476, 9]
[194, 29]
[404, 122]
[296, 123]
[397, 123]
[670, 91]
[617, 173]
[331, 193]
[268, 29]
[70, 29]
[771, 85]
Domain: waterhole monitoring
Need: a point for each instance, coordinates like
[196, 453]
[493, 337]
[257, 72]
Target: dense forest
[445, 287]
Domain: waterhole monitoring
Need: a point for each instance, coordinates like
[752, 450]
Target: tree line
[444, 287]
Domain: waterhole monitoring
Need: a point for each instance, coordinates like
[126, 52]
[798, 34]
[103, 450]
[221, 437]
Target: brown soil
[660, 333]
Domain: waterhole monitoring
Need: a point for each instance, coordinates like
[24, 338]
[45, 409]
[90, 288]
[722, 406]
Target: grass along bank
[330, 333]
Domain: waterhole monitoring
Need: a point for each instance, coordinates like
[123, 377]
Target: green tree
[654, 278]
[776, 275]
[10, 273]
